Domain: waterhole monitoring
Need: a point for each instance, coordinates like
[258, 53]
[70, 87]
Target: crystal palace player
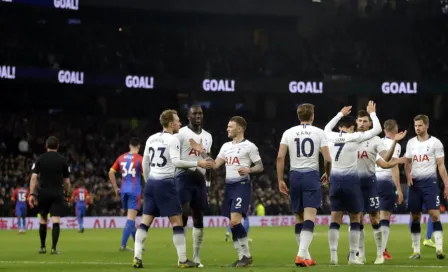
[367, 157]
[345, 189]
[425, 155]
[304, 143]
[130, 167]
[160, 158]
[190, 182]
[238, 155]
[388, 184]
[20, 198]
[81, 198]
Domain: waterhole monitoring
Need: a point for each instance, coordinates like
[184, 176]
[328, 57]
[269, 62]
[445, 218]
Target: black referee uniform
[52, 168]
[53, 171]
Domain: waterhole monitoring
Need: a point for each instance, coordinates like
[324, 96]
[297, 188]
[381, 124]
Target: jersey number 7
[340, 145]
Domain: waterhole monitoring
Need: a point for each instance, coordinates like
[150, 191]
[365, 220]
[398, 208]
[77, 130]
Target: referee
[54, 184]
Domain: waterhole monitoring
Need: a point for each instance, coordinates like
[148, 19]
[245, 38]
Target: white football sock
[333, 240]
[377, 234]
[438, 239]
[354, 242]
[362, 250]
[244, 244]
[305, 240]
[198, 237]
[140, 238]
[237, 246]
[298, 242]
[308, 255]
[385, 230]
[416, 241]
[181, 246]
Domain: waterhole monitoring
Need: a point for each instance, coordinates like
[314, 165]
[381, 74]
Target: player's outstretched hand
[283, 188]
[325, 179]
[400, 136]
[197, 146]
[371, 107]
[32, 201]
[346, 110]
[243, 171]
[206, 164]
[445, 192]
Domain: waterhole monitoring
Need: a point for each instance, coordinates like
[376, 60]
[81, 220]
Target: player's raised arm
[174, 149]
[333, 122]
[376, 129]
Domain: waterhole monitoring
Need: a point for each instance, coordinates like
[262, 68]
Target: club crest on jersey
[232, 160]
[420, 158]
[363, 155]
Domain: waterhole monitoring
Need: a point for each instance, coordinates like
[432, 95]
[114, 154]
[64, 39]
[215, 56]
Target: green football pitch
[273, 249]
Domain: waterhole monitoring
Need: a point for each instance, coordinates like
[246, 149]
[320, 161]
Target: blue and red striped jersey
[130, 166]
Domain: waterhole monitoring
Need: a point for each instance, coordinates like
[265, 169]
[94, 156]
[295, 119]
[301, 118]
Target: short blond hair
[166, 117]
[240, 121]
[305, 112]
[423, 118]
[390, 125]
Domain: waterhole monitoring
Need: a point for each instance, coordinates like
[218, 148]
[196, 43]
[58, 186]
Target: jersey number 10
[301, 147]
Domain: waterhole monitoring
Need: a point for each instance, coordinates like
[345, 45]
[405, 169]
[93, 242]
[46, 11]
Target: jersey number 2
[238, 202]
[152, 153]
[302, 145]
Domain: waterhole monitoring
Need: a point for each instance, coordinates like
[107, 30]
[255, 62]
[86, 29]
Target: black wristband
[33, 195]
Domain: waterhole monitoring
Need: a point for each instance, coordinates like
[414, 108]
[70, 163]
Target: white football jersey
[160, 151]
[367, 156]
[387, 173]
[344, 146]
[304, 143]
[186, 152]
[424, 157]
[237, 156]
